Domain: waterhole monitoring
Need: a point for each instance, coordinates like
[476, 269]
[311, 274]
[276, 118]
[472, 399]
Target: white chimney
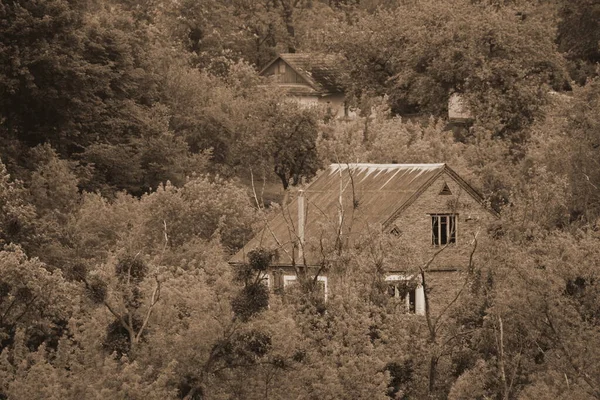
[301, 222]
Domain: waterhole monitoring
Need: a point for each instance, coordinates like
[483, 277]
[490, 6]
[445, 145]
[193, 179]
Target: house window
[321, 282]
[396, 231]
[281, 67]
[265, 279]
[445, 190]
[406, 289]
[443, 229]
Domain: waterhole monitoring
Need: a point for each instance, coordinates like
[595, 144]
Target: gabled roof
[372, 197]
[321, 71]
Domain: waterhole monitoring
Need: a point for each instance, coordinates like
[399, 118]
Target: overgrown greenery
[139, 149]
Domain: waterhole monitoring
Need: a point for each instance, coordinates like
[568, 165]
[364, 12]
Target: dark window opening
[443, 229]
[397, 289]
[412, 300]
[445, 190]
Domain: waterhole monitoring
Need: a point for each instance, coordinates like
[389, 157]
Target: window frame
[290, 279]
[450, 233]
[265, 279]
[417, 309]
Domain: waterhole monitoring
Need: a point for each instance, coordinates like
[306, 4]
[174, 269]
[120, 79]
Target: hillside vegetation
[136, 143]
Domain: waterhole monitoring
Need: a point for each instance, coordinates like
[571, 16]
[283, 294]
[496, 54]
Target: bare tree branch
[154, 299]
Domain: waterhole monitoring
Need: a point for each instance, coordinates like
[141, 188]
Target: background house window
[443, 229]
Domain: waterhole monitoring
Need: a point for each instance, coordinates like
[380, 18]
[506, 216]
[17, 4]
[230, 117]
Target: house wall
[333, 104]
[472, 218]
[336, 103]
[307, 100]
[442, 288]
[458, 111]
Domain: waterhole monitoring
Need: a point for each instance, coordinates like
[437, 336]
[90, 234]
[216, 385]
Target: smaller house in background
[312, 79]
[427, 206]
[458, 111]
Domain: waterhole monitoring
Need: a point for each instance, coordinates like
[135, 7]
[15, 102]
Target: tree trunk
[288, 19]
[501, 360]
[432, 374]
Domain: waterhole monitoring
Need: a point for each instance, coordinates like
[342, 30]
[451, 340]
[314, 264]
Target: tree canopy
[140, 149]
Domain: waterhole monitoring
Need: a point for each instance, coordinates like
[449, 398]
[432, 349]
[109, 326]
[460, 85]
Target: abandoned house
[311, 79]
[428, 205]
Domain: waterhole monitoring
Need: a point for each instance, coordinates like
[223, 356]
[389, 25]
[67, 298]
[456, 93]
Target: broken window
[443, 229]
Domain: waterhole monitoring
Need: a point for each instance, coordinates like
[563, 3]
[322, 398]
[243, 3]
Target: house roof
[364, 197]
[321, 71]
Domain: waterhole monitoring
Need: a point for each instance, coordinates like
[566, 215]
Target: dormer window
[443, 229]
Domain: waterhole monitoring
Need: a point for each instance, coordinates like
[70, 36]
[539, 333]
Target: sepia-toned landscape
[299, 199]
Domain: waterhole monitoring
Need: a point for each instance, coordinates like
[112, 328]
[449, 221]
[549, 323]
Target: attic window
[395, 231]
[445, 190]
[443, 229]
[281, 67]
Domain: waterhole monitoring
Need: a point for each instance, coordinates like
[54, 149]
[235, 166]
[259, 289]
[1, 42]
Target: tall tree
[421, 52]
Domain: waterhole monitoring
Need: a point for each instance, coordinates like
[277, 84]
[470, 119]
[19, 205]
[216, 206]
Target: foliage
[292, 144]
[128, 129]
[33, 300]
[498, 60]
[16, 223]
[579, 37]
[254, 297]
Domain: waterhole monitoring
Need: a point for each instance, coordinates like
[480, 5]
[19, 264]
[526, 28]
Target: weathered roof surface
[321, 71]
[371, 195]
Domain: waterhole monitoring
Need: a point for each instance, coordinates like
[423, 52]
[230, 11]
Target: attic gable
[319, 71]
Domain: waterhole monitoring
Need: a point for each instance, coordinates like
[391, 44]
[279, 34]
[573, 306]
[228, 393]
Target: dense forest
[132, 135]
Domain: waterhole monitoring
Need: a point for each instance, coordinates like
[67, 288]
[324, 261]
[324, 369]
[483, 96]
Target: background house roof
[364, 197]
[321, 71]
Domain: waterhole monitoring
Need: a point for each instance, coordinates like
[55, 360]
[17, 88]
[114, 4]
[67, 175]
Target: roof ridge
[394, 215]
[391, 165]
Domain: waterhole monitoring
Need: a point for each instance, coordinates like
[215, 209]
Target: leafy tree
[292, 144]
[33, 300]
[16, 223]
[76, 78]
[254, 297]
[572, 156]
[501, 62]
[579, 37]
